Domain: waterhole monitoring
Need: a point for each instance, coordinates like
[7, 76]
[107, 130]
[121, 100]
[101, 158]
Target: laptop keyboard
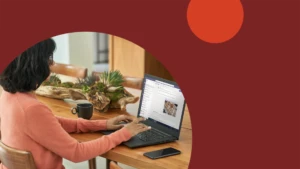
[151, 135]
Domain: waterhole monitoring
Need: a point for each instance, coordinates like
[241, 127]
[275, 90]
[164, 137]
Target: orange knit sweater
[27, 124]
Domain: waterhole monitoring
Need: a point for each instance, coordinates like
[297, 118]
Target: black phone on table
[162, 153]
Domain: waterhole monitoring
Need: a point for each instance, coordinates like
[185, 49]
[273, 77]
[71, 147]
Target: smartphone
[162, 153]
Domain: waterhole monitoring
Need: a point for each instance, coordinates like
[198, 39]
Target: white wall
[77, 48]
[62, 54]
[82, 49]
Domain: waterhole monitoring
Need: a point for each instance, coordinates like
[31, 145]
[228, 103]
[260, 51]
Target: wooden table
[123, 154]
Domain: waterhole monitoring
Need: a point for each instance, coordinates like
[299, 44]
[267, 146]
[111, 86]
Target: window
[102, 48]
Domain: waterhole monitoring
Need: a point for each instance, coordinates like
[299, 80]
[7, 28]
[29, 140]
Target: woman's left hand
[114, 123]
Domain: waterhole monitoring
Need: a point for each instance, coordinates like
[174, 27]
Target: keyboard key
[150, 135]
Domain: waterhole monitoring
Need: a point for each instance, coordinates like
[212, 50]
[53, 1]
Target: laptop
[162, 104]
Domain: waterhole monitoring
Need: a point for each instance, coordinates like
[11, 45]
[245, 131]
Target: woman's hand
[114, 123]
[136, 127]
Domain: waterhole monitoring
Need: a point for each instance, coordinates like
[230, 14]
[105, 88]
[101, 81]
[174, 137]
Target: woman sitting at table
[27, 124]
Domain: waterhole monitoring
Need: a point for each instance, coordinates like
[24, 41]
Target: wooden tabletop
[123, 154]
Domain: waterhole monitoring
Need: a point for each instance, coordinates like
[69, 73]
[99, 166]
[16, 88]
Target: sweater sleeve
[81, 125]
[43, 127]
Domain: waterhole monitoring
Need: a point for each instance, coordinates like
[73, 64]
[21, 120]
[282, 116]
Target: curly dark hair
[27, 72]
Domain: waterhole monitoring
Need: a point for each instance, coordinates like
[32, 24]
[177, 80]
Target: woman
[27, 124]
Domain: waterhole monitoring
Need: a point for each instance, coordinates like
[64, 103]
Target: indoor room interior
[100, 52]
[103, 52]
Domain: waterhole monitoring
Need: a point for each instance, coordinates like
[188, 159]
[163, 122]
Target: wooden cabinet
[133, 60]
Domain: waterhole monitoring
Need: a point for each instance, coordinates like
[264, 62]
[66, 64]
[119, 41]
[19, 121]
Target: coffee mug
[83, 110]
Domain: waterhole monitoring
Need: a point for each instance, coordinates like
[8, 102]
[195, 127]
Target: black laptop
[162, 104]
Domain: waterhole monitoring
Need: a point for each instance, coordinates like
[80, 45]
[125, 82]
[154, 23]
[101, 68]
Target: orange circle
[215, 21]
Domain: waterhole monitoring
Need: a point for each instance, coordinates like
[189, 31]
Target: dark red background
[243, 95]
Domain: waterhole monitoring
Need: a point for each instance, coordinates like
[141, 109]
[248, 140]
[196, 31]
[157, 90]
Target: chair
[132, 82]
[113, 165]
[69, 70]
[16, 159]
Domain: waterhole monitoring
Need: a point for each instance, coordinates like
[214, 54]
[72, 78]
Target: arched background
[243, 94]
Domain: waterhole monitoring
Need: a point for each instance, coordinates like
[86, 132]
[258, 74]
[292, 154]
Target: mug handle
[72, 110]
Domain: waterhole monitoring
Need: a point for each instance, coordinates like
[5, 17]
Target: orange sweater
[27, 124]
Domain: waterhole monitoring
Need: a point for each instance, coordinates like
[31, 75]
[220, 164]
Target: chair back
[69, 70]
[15, 159]
[113, 165]
[132, 82]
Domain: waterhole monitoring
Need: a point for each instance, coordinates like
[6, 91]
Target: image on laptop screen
[162, 101]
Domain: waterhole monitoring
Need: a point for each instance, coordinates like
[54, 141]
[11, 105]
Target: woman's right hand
[135, 127]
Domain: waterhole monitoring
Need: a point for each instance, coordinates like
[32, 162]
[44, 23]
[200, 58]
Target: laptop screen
[162, 102]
